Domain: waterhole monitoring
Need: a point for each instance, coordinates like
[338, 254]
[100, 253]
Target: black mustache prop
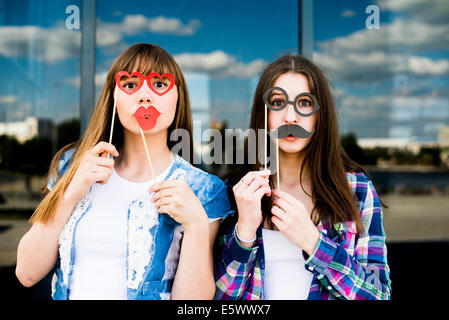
[292, 129]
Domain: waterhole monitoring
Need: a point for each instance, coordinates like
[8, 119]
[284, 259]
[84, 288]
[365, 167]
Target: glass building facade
[387, 62]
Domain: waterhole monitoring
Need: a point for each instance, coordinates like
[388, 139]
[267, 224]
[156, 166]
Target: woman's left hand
[291, 217]
[175, 198]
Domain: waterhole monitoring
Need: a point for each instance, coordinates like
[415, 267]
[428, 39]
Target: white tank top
[286, 277]
[99, 269]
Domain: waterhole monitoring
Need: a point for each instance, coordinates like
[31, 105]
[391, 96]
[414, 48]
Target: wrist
[245, 237]
[198, 225]
[69, 199]
[314, 239]
[247, 228]
[71, 194]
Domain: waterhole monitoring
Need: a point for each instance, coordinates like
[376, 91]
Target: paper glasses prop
[276, 99]
[146, 117]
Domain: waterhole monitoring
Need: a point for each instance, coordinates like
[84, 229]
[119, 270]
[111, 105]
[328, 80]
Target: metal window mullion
[87, 83]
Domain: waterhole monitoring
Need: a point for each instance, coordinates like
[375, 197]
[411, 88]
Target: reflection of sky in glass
[227, 42]
[378, 76]
[393, 81]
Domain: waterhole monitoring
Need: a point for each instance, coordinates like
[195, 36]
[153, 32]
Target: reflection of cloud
[111, 34]
[368, 55]
[401, 35]
[367, 108]
[8, 99]
[100, 79]
[421, 65]
[419, 108]
[432, 12]
[378, 65]
[44, 44]
[57, 43]
[393, 116]
[18, 114]
[218, 64]
[133, 24]
[398, 108]
[348, 13]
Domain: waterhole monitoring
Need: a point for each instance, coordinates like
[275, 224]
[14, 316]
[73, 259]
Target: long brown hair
[141, 57]
[324, 156]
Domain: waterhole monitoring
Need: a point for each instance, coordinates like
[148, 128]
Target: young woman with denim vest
[106, 228]
[319, 233]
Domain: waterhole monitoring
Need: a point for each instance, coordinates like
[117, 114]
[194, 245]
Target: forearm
[332, 263]
[38, 249]
[194, 277]
[234, 270]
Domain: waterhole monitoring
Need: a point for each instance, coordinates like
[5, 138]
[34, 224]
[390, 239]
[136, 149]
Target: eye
[277, 102]
[130, 85]
[305, 103]
[160, 84]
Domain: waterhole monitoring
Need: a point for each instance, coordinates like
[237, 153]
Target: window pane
[39, 96]
[390, 75]
[389, 67]
[221, 47]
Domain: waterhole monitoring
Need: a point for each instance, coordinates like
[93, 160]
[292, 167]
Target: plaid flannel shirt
[344, 265]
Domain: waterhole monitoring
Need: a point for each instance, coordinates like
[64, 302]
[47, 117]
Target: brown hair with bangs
[141, 57]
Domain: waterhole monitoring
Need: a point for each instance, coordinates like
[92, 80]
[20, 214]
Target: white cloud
[401, 35]
[370, 55]
[393, 107]
[422, 65]
[174, 26]
[432, 12]
[218, 64]
[111, 34]
[137, 23]
[8, 99]
[43, 44]
[56, 43]
[100, 79]
[348, 13]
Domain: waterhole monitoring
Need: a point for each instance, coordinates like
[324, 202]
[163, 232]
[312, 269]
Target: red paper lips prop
[146, 117]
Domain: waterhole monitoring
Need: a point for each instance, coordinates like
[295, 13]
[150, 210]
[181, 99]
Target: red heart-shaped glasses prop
[132, 83]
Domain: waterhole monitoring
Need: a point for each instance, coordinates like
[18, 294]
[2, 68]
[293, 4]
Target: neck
[133, 157]
[290, 168]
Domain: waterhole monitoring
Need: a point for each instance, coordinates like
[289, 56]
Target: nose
[144, 95]
[290, 115]
[143, 100]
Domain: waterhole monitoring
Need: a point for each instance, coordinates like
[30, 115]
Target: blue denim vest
[153, 241]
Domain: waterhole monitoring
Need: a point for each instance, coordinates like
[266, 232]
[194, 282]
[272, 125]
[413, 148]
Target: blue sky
[223, 45]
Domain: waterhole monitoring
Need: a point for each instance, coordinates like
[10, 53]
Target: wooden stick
[148, 155]
[277, 164]
[265, 139]
[113, 116]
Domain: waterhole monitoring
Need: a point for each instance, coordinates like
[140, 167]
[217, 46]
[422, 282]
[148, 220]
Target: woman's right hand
[95, 167]
[248, 193]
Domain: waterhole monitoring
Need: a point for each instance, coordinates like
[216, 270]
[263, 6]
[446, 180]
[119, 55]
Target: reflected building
[28, 129]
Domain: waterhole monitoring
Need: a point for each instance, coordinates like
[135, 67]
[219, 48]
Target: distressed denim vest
[153, 239]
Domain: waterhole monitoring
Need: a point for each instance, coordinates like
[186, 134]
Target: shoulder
[63, 165]
[361, 186]
[65, 161]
